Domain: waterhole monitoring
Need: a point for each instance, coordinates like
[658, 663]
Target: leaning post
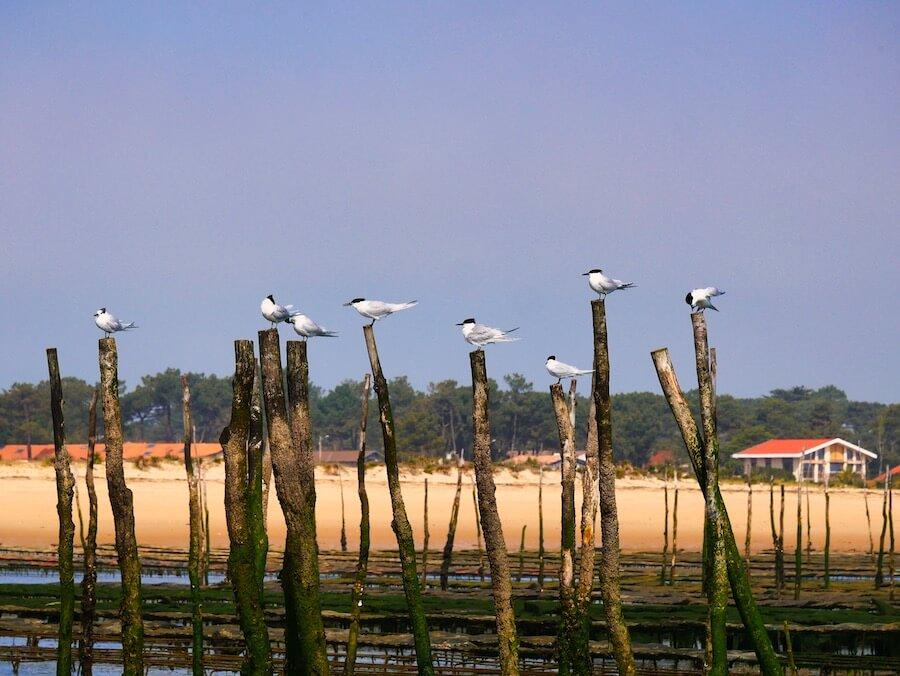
[400, 522]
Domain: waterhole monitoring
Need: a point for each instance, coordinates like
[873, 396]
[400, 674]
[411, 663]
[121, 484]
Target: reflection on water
[40, 576]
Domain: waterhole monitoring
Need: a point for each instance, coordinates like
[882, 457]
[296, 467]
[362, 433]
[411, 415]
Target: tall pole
[195, 527]
[89, 581]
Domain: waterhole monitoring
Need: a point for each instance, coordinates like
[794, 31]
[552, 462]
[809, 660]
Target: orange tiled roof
[781, 447]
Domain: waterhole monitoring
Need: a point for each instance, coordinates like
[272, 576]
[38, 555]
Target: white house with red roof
[815, 458]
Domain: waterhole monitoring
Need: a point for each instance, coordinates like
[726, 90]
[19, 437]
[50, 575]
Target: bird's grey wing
[481, 333]
[379, 307]
[713, 291]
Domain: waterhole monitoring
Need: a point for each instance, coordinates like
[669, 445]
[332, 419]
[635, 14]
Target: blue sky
[176, 163]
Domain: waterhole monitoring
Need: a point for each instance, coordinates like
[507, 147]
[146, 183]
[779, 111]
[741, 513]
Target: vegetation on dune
[435, 421]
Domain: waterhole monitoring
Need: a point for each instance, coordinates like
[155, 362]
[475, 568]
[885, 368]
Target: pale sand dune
[28, 509]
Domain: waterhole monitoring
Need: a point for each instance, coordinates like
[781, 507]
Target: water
[41, 576]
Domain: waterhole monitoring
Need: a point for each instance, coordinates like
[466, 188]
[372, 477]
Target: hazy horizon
[177, 164]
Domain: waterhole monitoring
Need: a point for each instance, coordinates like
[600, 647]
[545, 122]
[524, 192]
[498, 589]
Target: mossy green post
[609, 519]
[494, 542]
[65, 487]
[195, 530]
[89, 580]
[242, 564]
[717, 569]
[738, 576]
[122, 503]
[400, 522]
[362, 563]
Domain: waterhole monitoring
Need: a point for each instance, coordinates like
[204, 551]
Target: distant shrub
[766, 474]
[846, 478]
[145, 463]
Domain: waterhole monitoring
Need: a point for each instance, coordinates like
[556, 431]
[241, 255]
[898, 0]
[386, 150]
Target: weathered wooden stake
[827, 562]
[663, 573]
[879, 568]
[674, 530]
[717, 583]
[451, 529]
[400, 522]
[891, 530]
[869, 524]
[204, 503]
[737, 569]
[808, 526]
[122, 503]
[343, 521]
[362, 563]
[589, 493]
[256, 505]
[65, 485]
[425, 538]
[568, 625]
[780, 552]
[798, 550]
[478, 530]
[747, 535]
[609, 519]
[89, 581]
[521, 555]
[501, 585]
[242, 563]
[789, 648]
[540, 579]
[195, 528]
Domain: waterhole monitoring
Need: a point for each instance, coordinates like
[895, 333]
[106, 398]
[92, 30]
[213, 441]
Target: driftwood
[400, 522]
[122, 503]
[195, 527]
[501, 585]
[242, 553]
[362, 563]
[65, 485]
[737, 570]
[609, 519]
[89, 581]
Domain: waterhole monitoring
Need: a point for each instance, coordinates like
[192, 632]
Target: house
[346, 457]
[663, 458]
[815, 458]
[895, 472]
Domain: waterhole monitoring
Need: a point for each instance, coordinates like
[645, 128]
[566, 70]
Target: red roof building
[811, 459]
[131, 450]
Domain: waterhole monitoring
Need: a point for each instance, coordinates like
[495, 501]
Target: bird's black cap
[271, 297]
[357, 300]
[470, 320]
[689, 299]
[589, 272]
[102, 310]
[552, 356]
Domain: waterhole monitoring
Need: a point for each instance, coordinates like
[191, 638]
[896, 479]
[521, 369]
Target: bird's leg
[372, 323]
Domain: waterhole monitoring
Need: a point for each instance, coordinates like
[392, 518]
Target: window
[788, 464]
[768, 462]
[836, 467]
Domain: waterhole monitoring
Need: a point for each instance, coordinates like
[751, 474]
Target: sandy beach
[28, 506]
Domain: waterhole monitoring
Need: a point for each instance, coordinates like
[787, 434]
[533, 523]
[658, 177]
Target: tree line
[438, 420]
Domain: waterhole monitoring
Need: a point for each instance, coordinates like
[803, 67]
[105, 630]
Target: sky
[176, 162]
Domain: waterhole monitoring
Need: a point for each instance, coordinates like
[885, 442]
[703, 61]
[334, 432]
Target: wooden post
[568, 624]
[478, 530]
[663, 576]
[609, 519]
[789, 648]
[195, 542]
[869, 524]
[343, 520]
[400, 522]
[65, 485]
[879, 568]
[809, 527]
[749, 532]
[717, 583]
[425, 538]
[256, 504]
[737, 570]
[891, 531]
[780, 552]
[827, 561]
[89, 581]
[521, 555]
[204, 502]
[242, 563]
[798, 550]
[589, 493]
[540, 579]
[451, 530]
[362, 564]
[495, 544]
[122, 503]
[294, 469]
[674, 529]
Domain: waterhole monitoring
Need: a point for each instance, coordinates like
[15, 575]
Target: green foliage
[438, 420]
[846, 478]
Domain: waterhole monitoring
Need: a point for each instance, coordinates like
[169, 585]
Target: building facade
[809, 459]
